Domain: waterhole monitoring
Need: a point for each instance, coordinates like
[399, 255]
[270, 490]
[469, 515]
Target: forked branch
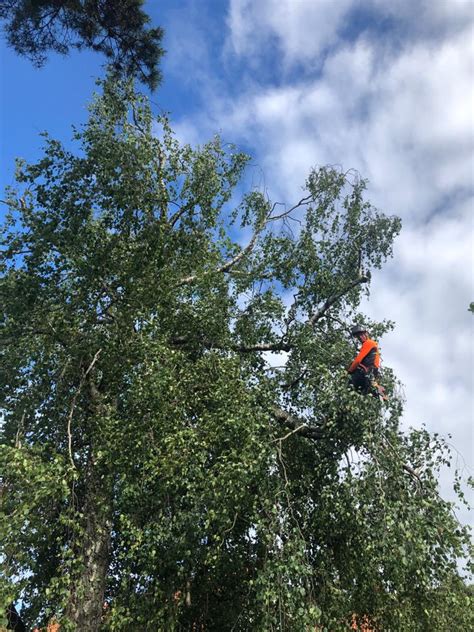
[334, 298]
[228, 265]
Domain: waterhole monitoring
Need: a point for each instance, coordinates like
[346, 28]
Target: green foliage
[116, 29]
[144, 464]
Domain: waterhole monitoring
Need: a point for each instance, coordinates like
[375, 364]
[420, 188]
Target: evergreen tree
[157, 474]
[119, 30]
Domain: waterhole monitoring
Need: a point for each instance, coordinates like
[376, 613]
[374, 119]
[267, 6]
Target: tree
[158, 474]
[33, 28]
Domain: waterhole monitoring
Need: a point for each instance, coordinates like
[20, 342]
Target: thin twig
[290, 433]
[303, 202]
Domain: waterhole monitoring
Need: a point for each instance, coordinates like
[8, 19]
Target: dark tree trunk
[86, 600]
[14, 620]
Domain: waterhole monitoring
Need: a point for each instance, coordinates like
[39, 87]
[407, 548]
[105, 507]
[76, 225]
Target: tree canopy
[159, 474]
[33, 28]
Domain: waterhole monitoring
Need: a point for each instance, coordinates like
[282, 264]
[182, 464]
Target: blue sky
[382, 87]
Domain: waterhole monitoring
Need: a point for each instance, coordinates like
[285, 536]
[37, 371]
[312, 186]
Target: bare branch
[269, 346]
[303, 202]
[235, 260]
[180, 341]
[334, 298]
[294, 382]
[412, 473]
[179, 213]
[280, 439]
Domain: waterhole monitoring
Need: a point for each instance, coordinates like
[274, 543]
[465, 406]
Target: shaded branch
[412, 473]
[181, 341]
[73, 405]
[264, 346]
[179, 213]
[303, 202]
[228, 265]
[288, 434]
[334, 298]
[297, 425]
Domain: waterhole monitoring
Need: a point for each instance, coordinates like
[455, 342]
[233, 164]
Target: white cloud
[406, 124]
[426, 290]
[397, 104]
[428, 18]
[188, 55]
[301, 29]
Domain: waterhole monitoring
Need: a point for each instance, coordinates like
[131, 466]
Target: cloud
[391, 96]
[304, 30]
[299, 31]
[429, 19]
[427, 289]
[406, 124]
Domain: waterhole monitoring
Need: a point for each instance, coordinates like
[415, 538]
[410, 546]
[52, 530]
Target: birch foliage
[158, 474]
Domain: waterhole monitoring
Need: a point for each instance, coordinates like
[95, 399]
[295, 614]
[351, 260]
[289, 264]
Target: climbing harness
[364, 369]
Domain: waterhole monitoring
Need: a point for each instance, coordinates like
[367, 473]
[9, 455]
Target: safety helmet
[358, 329]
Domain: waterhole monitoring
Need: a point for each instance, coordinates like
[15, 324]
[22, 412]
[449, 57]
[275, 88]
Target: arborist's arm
[367, 346]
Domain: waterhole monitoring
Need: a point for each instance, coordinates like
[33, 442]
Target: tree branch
[264, 346]
[334, 298]
[269, 346]
[405, 467]
[288, 434]
[73, 405]
[412, 473]
[179, 213]
[301, 427]
[249, 247]
[235, 260]
[303, 202]
[180, 341]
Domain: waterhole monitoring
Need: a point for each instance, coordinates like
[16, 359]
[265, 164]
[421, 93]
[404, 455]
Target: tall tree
[158, 474]
[120, 30]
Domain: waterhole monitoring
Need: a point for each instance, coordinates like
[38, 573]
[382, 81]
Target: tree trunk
[14, 620]
[86, 600]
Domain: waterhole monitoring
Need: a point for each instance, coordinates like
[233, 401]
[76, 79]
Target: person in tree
[364, 368]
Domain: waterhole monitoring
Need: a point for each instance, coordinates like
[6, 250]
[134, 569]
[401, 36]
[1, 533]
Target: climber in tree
[365, 366]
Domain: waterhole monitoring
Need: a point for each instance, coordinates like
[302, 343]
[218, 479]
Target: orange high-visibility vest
[367, 358]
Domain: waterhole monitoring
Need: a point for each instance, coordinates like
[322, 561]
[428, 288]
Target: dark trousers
[361, 381]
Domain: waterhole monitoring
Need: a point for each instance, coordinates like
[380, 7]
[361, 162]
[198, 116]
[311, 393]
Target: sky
[385, 88]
